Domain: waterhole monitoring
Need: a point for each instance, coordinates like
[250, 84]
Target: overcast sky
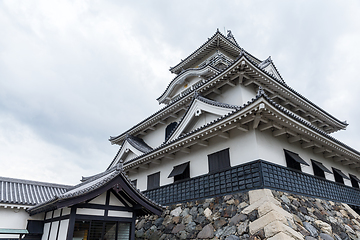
[74, 73]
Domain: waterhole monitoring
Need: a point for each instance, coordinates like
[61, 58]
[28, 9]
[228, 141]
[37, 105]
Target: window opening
[339, 176]
[101, 230]
[180, 172]
[354, 181]
[319, 169]
[293, 160]
[153, 181]
[219, 161]
[169, 130]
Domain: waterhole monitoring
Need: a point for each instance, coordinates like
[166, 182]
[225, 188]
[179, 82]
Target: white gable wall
[237, 95]
[99, 199]
[157, 137]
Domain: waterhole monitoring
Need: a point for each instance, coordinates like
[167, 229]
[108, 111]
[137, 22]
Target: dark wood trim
[71, 224]
[102, 218]
[135, 195]
[107, 200]
[103, 207]
[57, 234]
[57, 219]
[116, 194]
[132, 227]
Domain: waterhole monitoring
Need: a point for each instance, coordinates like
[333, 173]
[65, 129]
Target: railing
[254, 175]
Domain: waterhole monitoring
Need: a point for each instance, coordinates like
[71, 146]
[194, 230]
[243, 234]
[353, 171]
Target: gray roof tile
[26, 192]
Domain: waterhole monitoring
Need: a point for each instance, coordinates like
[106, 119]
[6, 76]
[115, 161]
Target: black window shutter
[219, 161]
[153, 181]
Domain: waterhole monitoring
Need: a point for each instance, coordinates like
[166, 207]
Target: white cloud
[72, 73]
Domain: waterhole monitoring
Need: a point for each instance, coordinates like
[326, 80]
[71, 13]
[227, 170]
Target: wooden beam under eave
[319, 150]
[256, 120]
[347, 162]
[247, 119]
[144, 166]
[266, 126]
[151, 128]
[202, 143]
[279, 132]
[185, 150]
[224, 135]
[217, 91]
[170, 156]
[242, 127]
[329, 155]
[308, 144]
[294, 139]
[230, 83]
[339, 158]
[247, 82]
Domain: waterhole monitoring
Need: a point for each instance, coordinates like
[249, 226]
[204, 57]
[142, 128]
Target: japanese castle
[230, 123]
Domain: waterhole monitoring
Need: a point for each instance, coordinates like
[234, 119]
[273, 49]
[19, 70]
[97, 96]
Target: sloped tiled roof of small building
[92, 185]
[26, 192]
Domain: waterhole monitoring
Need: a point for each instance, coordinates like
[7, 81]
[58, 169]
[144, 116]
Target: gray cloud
[74, 73]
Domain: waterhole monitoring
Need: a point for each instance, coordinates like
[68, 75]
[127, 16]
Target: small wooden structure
[104, 206]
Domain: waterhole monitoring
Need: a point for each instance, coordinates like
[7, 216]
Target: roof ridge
[25, 181]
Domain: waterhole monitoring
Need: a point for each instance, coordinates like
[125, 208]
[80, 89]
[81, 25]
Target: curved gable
[131, 148]
[196, 110]
[186, 80]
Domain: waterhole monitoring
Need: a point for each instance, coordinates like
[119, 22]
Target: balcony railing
[254, 175]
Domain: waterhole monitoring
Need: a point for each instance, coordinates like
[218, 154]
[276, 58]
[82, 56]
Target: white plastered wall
[242, 148]
[101, 199]
[237, 95]
[271, 149]
[157, 137]
[14, 218]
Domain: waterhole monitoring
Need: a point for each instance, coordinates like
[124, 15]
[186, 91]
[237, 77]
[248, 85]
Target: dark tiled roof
[219, 35]
[26, 192]
[138, 143]
[197, 96]
[91, 184]
[256, 63]
[183, 72]
[260, 94]
[214, 103]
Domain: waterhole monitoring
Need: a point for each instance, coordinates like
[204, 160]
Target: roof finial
[260, 91]
[229, 34]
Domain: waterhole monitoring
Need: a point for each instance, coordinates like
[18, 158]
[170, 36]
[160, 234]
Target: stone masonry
[254, 215]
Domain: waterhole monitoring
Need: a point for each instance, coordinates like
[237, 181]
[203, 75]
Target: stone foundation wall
[258, 214]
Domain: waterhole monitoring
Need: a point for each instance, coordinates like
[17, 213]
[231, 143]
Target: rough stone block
[260, 223]
[206, 232]
[275, 227]
[351, 211]
[256, 195]
[258, 203]
[270, 206]
[281, 236]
